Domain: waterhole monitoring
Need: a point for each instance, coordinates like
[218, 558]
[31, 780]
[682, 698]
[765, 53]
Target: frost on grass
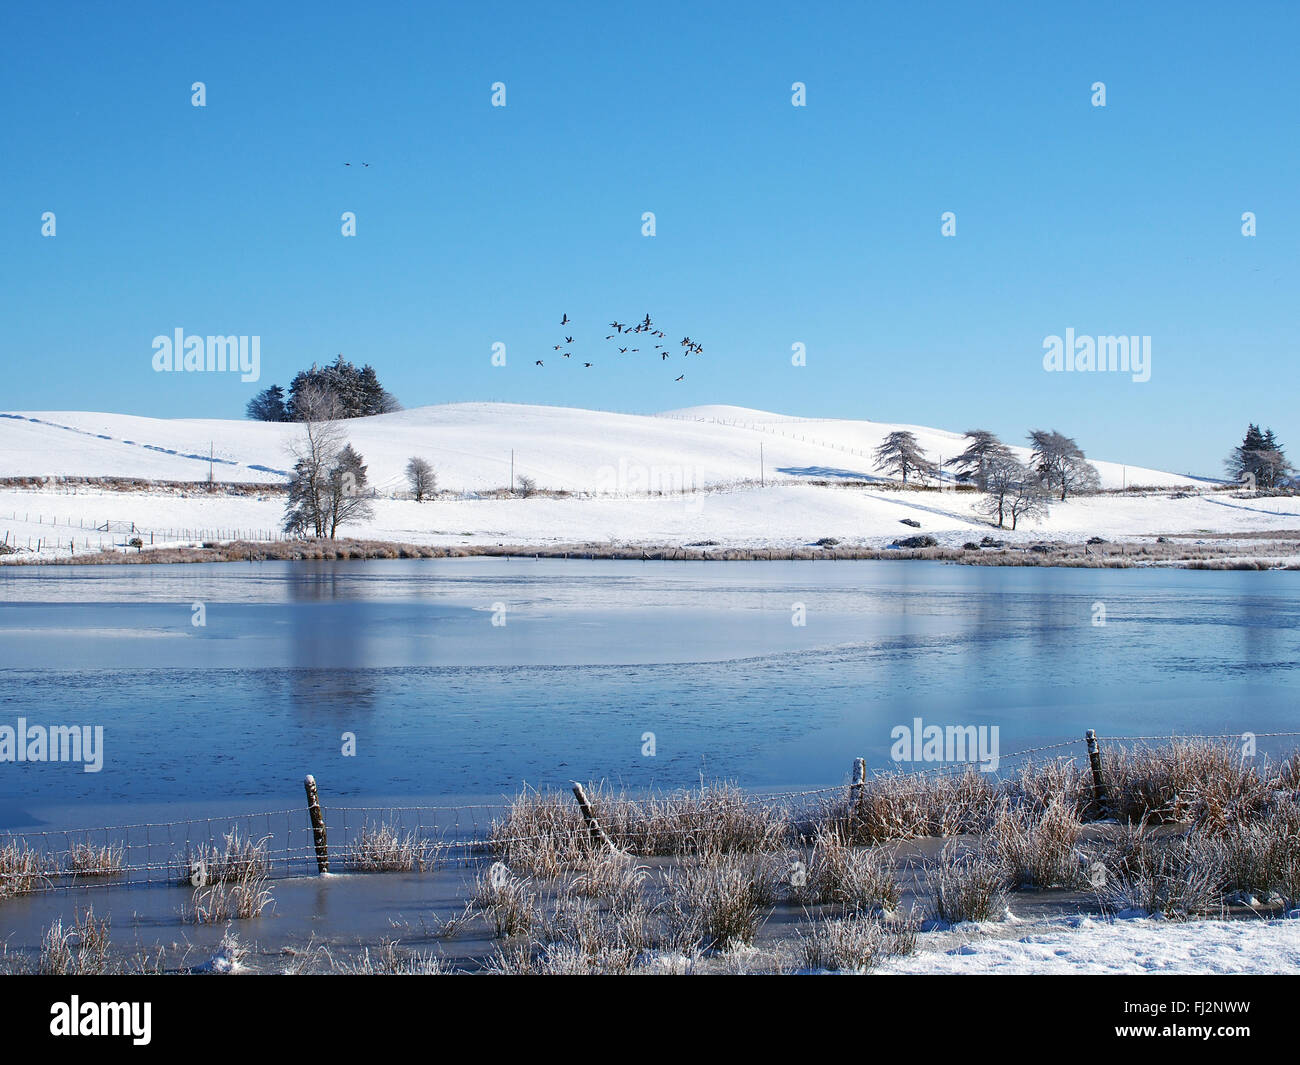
[78, 950]
[382, 848]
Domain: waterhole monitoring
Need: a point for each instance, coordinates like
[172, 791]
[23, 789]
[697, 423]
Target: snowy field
[635, 480]
[470, 445]
[1139, 944]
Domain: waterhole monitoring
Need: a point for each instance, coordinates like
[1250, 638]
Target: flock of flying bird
[624, 331]
[630, 333]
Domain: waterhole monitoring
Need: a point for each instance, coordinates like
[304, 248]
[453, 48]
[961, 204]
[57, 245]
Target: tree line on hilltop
[357, 391]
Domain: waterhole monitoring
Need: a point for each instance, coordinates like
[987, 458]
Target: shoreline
[1262, 555]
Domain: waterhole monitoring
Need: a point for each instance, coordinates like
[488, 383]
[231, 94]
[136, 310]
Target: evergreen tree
[973, 463]
[268, 406]
[901, 454]
[346, 491]
[1260, 461]
[357, 390]
[1061, 463]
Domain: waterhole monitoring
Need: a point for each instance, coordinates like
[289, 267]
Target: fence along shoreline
[306, 839]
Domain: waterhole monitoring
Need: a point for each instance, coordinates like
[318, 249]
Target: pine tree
[268, 406]
[1061, 463]
[973, 463]
[1260, 461]
[358, 391]
[347, 500]
[901, 454]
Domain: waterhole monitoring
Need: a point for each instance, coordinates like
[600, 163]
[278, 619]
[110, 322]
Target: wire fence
[284, 843]
[55, 533]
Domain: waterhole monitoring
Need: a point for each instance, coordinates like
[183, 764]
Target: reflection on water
[586, 657]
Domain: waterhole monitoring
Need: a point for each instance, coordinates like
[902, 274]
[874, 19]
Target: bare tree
[901, 454]
[1013, 491]
[525, 486]
[327, 487]
[1061, 464]
[983, 448]
[421, 477]
[315, 452]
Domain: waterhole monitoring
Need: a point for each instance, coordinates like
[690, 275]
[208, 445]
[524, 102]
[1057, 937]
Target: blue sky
[775, 224]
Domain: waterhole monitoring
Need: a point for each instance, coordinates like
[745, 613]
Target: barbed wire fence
[313, 839]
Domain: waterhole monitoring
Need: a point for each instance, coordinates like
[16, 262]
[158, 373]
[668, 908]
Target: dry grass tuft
[717, 900]
[81, 950]
[508, 903]
[543, 834]
[21, 869]
[1189, 781]
[1039, 848]
[89, 860]
[382, 848]
[226, 899]
[855, 943]
[1175, 876]
[968, 885]
[235, 861]
[388, 961]
[896, 806]
[855, 878]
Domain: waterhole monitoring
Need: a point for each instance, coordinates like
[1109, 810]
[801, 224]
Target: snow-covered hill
[470, 445]
[719, 475]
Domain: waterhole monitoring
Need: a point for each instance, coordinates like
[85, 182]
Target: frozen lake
[585, 658]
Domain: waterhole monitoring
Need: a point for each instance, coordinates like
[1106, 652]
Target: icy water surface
[585, 658]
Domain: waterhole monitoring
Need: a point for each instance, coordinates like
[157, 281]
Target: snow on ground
[616, 464]
[1074, 945]
[777, 516]
[861, 438]
[470, 445]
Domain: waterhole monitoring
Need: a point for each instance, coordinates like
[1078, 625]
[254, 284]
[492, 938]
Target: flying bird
[538, 362]
[586, 364]
[679, 378]
[568, 340]
[564, 320]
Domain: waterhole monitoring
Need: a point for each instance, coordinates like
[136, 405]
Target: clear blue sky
[775, 224]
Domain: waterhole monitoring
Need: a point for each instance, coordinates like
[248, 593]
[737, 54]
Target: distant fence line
[99, 534]
[317, 838]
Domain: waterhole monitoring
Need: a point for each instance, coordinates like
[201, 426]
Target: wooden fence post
[859, 780]
[1098, 781]
[589, 815]
[856, 791]
[317, 825]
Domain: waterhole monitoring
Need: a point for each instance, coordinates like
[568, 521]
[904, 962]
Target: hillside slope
[470, 445]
